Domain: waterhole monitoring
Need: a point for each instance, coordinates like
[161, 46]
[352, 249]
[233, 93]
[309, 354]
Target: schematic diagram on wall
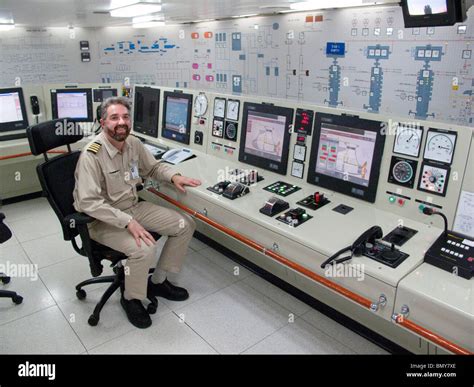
[378, 53]
[425, 78]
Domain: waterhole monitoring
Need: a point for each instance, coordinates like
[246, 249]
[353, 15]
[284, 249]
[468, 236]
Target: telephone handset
[175, 156]
[357, 247]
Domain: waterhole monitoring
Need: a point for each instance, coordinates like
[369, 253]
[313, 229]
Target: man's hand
[181, 181]
[139, 233]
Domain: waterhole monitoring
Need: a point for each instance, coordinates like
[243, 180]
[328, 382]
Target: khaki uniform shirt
[106, 178]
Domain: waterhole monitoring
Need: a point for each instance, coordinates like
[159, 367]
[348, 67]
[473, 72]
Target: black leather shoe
[167, 290]
[136, 313]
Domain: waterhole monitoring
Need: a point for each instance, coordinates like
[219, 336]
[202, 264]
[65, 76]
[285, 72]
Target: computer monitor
[265, 136]
[426, 13]
[100, 95]
[75, 104]
[146, 107]
[12, 110]
[346, 155]
[177, 116]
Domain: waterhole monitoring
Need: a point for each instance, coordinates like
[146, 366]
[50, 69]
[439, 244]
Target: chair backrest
[56, 175]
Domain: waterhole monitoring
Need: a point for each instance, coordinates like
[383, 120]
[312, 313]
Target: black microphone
[431, 211]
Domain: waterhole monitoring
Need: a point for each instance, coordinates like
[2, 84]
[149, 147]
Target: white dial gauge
[299, 152]
[200, 105]
[233, 109]
[434, 179]
[408, 141]
[219, 107]
[440, 146]
[297, 169]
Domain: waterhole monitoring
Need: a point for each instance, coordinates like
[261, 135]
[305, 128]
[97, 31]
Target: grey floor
[229, 310]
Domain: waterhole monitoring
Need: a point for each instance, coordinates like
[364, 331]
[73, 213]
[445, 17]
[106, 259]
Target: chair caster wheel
[17, 300]
[5, 280]
[81, 294]
[151, 308]
[93, 320]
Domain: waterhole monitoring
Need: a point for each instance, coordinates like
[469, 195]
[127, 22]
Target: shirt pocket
[114, 182]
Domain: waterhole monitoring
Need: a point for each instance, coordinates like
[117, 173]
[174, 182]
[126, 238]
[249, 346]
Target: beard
[119, 133]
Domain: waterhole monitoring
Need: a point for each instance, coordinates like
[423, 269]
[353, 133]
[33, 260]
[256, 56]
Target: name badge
[134, 170]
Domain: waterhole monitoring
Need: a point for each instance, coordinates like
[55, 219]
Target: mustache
[126, 127]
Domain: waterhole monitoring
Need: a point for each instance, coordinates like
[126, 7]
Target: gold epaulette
[94, 147]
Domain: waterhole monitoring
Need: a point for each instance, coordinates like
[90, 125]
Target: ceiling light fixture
[249, 15]
[136, 9]
[318, 4]
[7, 26]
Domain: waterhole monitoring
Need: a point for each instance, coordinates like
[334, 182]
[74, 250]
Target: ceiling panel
[94, 13]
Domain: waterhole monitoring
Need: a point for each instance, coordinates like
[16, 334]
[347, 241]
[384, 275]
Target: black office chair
[56, 176]
[6, 234]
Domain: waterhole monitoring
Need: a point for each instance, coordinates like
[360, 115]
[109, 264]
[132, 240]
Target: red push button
[401, 202]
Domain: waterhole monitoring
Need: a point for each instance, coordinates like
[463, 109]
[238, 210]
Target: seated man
[106, 176]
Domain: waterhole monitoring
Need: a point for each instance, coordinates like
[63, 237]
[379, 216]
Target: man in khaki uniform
[106, 176]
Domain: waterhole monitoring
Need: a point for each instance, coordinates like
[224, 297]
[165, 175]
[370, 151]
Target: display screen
[75, 104]
[146, 105]
[12, 110]
[426, 7]
[426, 13]
[265, 136]
[100, 95]
[10, 107]
[177, 116]
[346, 155]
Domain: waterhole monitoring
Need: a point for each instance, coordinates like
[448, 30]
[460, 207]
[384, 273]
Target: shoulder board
[94, 147]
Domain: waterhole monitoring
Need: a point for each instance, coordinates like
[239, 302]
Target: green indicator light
[391, 199]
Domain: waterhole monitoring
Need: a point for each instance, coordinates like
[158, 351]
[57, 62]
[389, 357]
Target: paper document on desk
[464, 221]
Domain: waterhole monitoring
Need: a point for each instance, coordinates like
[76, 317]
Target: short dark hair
[124, 101]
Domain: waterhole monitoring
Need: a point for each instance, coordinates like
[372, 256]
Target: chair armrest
[78, 218]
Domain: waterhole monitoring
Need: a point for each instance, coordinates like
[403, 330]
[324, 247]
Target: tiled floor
[226, 313]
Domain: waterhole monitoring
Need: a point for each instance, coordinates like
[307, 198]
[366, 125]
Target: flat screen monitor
[100, 95]
[146, 107]
[265, 136]
[12, 110]
[346, 155]
[426, 13]
[177, 116]
[75, 104]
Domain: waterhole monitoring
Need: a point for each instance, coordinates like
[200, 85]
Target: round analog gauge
[408, 141]
[231, 131]
[219, 107]
[440, 146]
[434, 179]
[200, 105]
[233, 110]
[402, 172]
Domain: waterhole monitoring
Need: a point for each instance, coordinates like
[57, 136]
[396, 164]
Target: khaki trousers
[179, 228]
